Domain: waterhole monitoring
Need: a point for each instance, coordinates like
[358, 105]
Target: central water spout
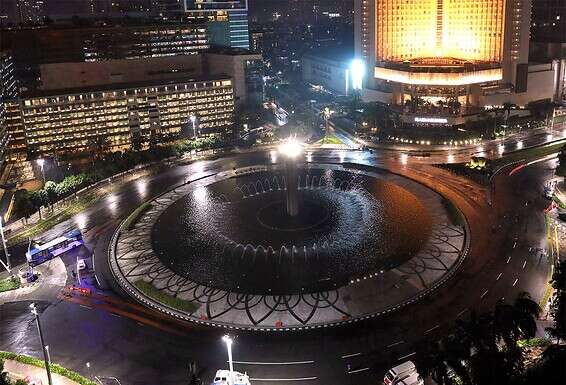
[291, 149]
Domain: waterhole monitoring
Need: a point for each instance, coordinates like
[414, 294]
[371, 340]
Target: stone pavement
[17, 371]
[52, 278]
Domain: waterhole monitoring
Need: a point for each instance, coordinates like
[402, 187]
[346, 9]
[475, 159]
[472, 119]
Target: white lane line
[273, 363]
[351, 355]
[524, 264]
[358, 370]
[514, 283]
[86, 307]
[484, 294]
[462, 312]
[116, 315]
[499, 276]
[407, 356]
[395, 343]
[285, 379]
[432, 328]
[514, 244]
[508, 259]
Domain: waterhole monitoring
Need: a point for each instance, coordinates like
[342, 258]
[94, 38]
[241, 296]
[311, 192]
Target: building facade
[121, 103]
[227, 21]
[8, 93]
[329, 69]
[31, 11]
[445, 56]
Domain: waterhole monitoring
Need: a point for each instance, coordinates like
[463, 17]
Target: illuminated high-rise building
[443, 51]
[227, 20]
[31, 11]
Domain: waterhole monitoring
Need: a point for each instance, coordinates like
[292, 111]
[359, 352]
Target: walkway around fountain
[132, 258]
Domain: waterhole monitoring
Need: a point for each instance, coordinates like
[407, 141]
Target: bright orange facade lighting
[462, 29]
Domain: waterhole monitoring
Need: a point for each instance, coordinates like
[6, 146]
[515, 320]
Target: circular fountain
[292, 243]
[290, 229]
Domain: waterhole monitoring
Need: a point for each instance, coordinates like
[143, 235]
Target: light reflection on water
[234, 234]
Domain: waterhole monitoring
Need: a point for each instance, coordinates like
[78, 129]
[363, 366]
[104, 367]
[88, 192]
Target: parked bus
[41, 253]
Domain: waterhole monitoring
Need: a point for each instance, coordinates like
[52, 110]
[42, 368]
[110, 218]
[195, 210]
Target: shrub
[58, 369]
[164, 298]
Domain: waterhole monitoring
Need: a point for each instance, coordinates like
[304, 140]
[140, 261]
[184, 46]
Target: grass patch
[534, 342]
[454, 215]
[11, 283]
[527, 154]
[166, 299]
[53, 220]
[135, 216]
[330, 139]
[58, 369]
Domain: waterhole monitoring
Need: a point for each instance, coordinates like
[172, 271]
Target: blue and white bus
[41, 253]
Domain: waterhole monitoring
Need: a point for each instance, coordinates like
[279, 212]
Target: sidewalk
[52, 278]
[18, 371]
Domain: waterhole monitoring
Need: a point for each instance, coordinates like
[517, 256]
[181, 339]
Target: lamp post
[7, 264]
[228, 341]
[194, 121]
[33, 310]
[41, 162]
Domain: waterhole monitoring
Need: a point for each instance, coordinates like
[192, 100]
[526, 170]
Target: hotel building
[123, 101]
[449, 57]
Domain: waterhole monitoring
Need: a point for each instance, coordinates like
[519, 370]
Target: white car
[81, 264]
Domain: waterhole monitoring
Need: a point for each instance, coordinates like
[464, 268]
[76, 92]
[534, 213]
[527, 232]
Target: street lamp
[228, 341]
[194, 121]
[7, 264]
[41, 162]
[33, 310]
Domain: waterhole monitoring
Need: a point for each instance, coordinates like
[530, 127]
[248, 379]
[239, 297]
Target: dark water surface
[235, 234]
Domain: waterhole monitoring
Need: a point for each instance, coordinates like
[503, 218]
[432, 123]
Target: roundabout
[358, 242]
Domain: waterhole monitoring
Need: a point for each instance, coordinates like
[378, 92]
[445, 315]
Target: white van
[222, 377]
[401, 371]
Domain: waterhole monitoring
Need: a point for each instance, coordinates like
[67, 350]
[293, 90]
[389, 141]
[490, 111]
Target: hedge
[8, 284]
[134, 217]
[455, 216]
[164, 298]
[57, 369]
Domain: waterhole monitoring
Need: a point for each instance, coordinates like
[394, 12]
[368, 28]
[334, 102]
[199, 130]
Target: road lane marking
[432, 328]
[508, 259]
[514, 244]
[273, 363]
[514, 283]
[358, 370]
[524, 264]
[499, 276]
[86, 307]
[484, 294]
[395, 343]
[408, 355]
[285, 379]
[352, 355]
[462, 312]
[116, 315]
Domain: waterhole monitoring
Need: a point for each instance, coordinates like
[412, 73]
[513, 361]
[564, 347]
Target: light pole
[88, 370]
[41, 162]
[7, 264]
[33, 310]
[228, 341]
[194, 121]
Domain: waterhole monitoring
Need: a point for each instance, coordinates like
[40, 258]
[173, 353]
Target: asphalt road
[132, 350]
